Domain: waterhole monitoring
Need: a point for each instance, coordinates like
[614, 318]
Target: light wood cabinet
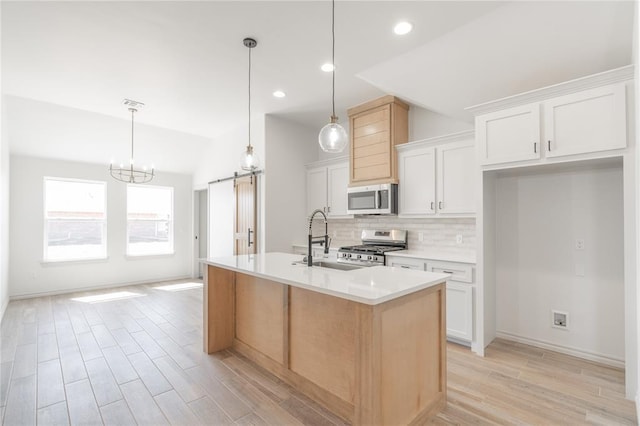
[376, 127]
[351, 357]
[578, 123]
[436, 178]
[327, 188]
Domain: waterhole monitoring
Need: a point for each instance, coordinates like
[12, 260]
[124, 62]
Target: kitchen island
[367, 343]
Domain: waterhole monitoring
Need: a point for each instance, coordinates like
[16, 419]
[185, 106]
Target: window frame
[46, 219]
[171, 250]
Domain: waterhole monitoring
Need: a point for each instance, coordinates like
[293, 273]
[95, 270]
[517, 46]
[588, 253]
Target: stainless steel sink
[335, 265]
[330, 265]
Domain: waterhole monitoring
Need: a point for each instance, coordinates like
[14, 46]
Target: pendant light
[333, 137]
[250, 160]
[130, 174]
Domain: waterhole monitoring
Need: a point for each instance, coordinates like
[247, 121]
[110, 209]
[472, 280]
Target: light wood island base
[381, 364]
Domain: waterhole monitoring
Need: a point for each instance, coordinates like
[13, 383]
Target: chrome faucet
[316, 240]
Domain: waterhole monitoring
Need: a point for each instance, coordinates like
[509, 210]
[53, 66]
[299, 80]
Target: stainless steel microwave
[373, 199]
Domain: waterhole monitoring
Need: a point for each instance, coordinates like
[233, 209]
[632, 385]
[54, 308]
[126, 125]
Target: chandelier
[131, 174]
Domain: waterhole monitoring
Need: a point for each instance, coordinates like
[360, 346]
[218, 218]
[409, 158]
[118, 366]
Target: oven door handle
[377, 199]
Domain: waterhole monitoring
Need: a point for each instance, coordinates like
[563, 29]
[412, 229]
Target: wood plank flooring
[139, 360]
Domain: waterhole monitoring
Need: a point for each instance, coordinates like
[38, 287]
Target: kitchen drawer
[459, 271]
[406, 262]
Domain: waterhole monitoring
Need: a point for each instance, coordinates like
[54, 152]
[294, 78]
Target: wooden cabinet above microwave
[376, 127]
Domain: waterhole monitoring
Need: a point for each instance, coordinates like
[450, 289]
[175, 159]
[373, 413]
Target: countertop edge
[370, 302]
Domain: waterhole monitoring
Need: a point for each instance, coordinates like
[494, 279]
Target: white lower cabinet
[459, 292]
[460, 311]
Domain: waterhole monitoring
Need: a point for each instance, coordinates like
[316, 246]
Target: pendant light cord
[249, 120]
[333, 58]
[133, 110]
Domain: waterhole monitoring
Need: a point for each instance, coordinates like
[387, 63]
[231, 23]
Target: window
[149, 220]
[75, 219]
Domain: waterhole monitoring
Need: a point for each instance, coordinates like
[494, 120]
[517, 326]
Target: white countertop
[371, 285]
[435, 255]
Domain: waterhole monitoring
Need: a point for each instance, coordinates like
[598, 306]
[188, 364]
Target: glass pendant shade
[250, 161]
[333, 137]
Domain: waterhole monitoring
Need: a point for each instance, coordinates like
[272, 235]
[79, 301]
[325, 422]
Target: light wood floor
[140, 360]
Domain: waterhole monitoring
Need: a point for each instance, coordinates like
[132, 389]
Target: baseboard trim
[99, 287]
[589, 356]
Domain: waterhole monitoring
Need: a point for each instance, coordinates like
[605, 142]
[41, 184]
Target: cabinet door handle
[328, 209]
[249, 231]
[432, 206]
[535, 147]
[549, 145]
[440, 205]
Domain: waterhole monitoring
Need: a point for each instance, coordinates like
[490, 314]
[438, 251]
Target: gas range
[373, 248]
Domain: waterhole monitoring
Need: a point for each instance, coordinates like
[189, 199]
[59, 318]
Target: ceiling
[186, 60]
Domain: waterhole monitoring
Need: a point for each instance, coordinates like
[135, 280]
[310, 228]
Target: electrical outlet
[579, 244]
[459, 239]
[420, 236]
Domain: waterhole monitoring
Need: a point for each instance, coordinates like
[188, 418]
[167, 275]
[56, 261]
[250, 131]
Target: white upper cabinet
[436, 176]
[576, 120]
[417, 187]
[509, 135]
[327, 188]
[337, 181]
[316, 189]
[588, 121]
[455, 178]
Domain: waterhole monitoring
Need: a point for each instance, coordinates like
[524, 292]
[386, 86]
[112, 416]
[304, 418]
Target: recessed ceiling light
[279, 94]
[402, 28]
[327, 67]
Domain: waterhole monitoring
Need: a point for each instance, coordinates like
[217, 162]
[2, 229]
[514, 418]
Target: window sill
[61, 262]
[149, 256]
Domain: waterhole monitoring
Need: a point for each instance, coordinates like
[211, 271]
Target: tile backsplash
[438, 233]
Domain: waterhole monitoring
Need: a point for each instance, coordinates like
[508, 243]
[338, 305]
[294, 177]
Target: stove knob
[359, 257]
[369, 257]
[349, 255]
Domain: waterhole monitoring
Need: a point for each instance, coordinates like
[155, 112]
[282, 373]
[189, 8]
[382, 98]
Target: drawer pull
[405, 266]
[447, 272]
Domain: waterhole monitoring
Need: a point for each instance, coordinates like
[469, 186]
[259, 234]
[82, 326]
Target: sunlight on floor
[178, 287]
[108, 297]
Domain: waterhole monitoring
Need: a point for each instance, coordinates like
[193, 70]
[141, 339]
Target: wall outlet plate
[579, 244]
[420, 236]
[459, 239]
[560, 320]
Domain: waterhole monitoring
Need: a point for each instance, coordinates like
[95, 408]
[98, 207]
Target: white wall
[219, 160]
[424, 124]
[539, 217]
[30, 277]
[289, 146]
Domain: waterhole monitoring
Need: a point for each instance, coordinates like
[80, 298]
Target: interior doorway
[201, 229]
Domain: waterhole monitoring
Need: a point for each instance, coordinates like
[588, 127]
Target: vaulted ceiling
[186, 60]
